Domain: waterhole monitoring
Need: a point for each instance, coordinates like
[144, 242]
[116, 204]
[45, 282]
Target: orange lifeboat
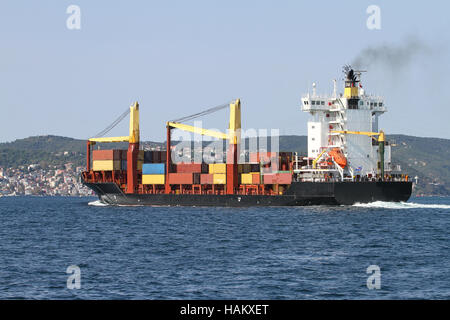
[340, 159]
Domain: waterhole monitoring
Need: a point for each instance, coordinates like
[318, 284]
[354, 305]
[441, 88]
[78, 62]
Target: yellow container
[106, 165]
[246, 178]
[153, 179]
[218, 168]
[219, 178]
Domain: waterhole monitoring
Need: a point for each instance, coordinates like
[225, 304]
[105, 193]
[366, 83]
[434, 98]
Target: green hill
[427, 158]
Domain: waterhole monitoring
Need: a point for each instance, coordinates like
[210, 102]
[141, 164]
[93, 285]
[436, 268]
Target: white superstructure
[353, 111]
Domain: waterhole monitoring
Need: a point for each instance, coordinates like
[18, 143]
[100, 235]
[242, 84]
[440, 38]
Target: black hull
[298, 194]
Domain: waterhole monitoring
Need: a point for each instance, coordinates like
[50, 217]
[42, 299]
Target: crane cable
[200, 114]
[112, 125]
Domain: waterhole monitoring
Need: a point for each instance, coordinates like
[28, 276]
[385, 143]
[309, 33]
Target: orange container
[181, 178]
[256, 178]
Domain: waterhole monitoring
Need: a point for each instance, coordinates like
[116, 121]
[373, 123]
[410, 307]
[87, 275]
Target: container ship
[348, 161]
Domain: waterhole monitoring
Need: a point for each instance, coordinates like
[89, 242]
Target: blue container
[153, 168]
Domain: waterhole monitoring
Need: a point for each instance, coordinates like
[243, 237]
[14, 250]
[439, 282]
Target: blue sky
[180, 57]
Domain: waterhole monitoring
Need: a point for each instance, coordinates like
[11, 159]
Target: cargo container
[254, 167]
[219, 178]
[277, 178]
[153, 168]
[191, 168]
[153, 179]
[181, 178]
[106, 165]
[217, 168]
[196, 177]
[206, 178]
[244, 168]
[148, 156]
[256, 177]
[246, 178]
[124, 164]
[106, 154]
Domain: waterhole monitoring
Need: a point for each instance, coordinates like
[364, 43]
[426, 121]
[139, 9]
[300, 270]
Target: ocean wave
[401, 205]
[97, 203]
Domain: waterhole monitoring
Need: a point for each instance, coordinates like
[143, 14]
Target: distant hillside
[427, 158]
[50, 150]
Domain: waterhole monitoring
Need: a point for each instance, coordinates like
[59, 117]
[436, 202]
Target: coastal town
[35, 180]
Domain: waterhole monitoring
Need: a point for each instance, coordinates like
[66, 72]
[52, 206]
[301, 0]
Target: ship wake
[401, 205]
[97, 203]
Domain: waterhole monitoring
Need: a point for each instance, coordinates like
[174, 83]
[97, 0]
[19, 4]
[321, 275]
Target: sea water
[317, 252]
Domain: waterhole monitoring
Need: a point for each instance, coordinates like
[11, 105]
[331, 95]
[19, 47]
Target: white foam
[97, 203]
[401, 205]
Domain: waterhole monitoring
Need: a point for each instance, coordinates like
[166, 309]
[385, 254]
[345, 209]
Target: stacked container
[106, 160]
[219, 173]
[251, 178]
[153, 173]
[281, 177]
[187, 173]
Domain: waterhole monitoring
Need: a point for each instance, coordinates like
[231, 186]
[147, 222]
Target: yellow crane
[233, 136]
[381, 141]
[133, 137]
[234, 125]
[133, 147]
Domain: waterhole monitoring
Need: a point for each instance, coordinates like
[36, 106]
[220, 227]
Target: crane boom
[111, 139]
[134, 129]
[204, 132]
[381, 136]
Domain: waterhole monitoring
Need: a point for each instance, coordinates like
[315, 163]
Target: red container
[278, 178]
[106, 154]
[256, 179]
[181, 178]
[191, 168]
[270, 178]
[206, 178]
[284, 178]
